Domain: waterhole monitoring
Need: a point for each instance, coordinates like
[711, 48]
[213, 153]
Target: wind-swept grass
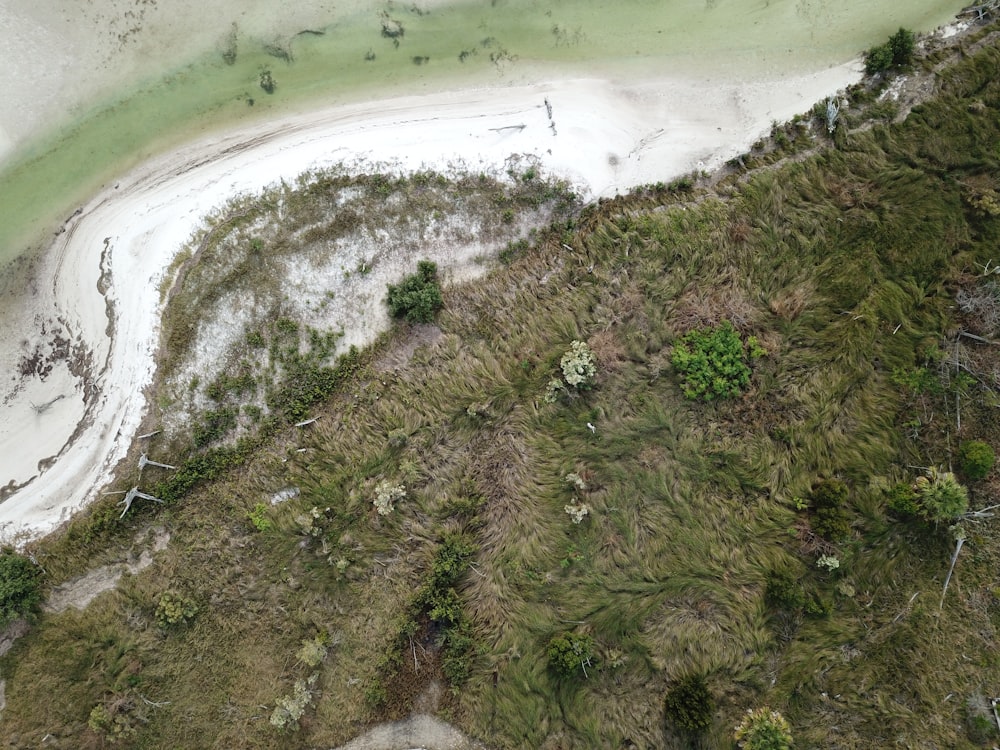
[844, 265]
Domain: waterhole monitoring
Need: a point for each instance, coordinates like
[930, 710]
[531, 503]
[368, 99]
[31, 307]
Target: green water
[507, 40]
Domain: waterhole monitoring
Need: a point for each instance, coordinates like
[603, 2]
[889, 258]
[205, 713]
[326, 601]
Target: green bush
[940, 496]
[763, 729]
[902, 44]
[712, 363]
[783, 591]
[878, 59]
[902, 500]
[174, 609]
[19, 591]
[570, 654]
[896, 52]
[418, 297]
[688, 704]
[829, 516]
[975, 459]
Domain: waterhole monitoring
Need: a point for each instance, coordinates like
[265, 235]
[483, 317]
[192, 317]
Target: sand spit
[85, 348]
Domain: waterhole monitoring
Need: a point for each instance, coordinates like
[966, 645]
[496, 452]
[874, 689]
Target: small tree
[688, 704]
[19, 593]
[764, 729]
[418, 297]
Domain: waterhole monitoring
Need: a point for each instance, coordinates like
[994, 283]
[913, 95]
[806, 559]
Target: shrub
[902, 45]
[578, 366]
[712, 363]
[290, 708]
[174, 609]
[418, 297]
[895, 53]
[878, 59]
[902, 500]
[764, 729]
[116, 718]
[940, 496]
[975, 459]
[829, 517]
[313, 650]
[570, 652]
[258, 517]
[19, 593]
[783, 590]
[688, 704]
[386, 495]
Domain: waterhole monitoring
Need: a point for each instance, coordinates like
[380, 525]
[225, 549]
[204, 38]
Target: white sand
[609, 137]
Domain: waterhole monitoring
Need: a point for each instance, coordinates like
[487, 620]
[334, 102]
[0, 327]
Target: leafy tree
[19, 590]
[878, 59]
[712, 363]
[764, 729]
[688, 704]
[975, 459]
[418, 297]
[569, 653]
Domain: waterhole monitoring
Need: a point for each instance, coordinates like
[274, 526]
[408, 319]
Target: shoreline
[98, 316]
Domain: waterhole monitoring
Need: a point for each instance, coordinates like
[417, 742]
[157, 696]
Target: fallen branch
[959, 541]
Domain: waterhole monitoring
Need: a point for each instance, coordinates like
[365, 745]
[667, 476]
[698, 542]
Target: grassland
[854, 266]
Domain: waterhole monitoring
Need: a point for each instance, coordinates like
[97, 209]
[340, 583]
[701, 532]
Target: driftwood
[131, 495]
[144, 462]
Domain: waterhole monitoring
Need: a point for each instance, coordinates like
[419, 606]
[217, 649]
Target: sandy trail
[93, 329]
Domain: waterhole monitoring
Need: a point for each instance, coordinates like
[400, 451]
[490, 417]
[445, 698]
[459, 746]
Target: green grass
[844, 265]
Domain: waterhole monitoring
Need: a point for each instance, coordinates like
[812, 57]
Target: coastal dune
[87, 343]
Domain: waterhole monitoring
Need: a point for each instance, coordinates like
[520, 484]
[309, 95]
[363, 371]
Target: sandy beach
[83, 353]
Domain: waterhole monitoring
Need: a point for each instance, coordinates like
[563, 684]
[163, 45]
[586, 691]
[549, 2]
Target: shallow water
[368, 50]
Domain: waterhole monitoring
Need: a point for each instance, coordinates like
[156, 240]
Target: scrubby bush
[783, 591]
[313, 650]
[902, 500]
[578, 366]
[174, 609]
[19, 591]
[570, 653]
[895, 53]
[975, 459]
[418, 297]
[763, 729]
[116, 719]
[829, 516]
[688, 704]
[290, 708]
[386, 496]
[711, 362]
[940, 496]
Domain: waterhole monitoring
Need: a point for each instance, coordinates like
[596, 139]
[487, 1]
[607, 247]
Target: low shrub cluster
[829, 514]
[689, 705]
[713, 362]
[417, 298]
[895, 53]
[764, 729]
[570, 653]
[975, 459]
[19, 587]
[940, 497]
